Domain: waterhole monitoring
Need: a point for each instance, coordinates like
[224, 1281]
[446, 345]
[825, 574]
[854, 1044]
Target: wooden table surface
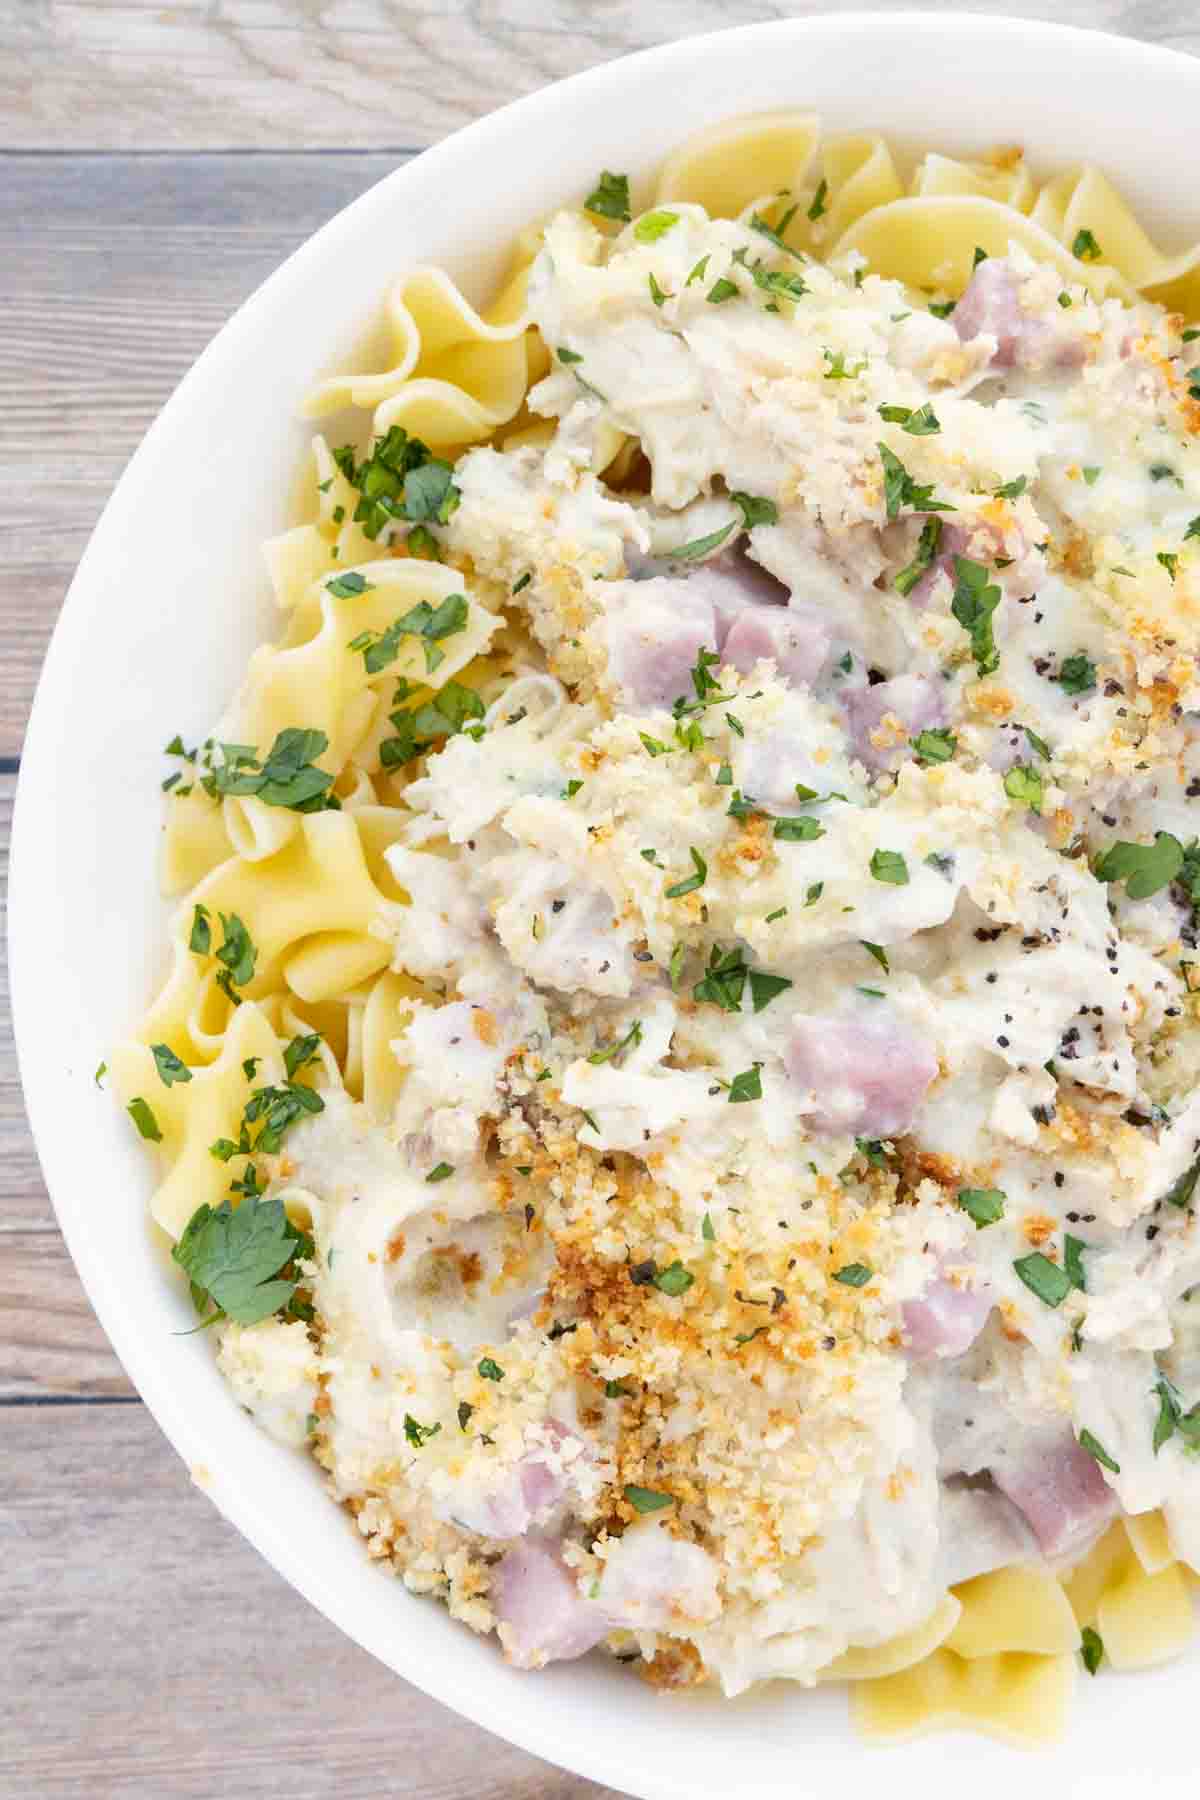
[156, 162]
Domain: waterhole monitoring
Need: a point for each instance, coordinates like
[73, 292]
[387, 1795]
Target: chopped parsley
[1144, 868]
[632, 1038]
[1085, 247]
[440, 1172]
[143, 1117]
[1169, 560]
[854, 1275]
[936, 745]
[419, 1435]
[170, 1067]
[400, 479]
[837, 370]
[1095, 1449]
[1023, 784]
[448, 713]
[927, 549]
[237, 1259]
[755, 510]
[1073, 1249]
[646, 1500]
[522, 581]
[802, 830]
[899, 488]
[489, 1369]
[889, 866]
[879, 953]
[1037, 744]
[238, 955]
[101, 1072]
[697, 272]
[984, 1205]
[657, 294]
[653, 225]
[721, 290]
[1012, 490]
[673, 1280]
[691, 882]
[427, 623]
[1043, 1278]
[975, 600]
[818, 208]
[1076, 674]
[609, 199]
[701, 546]
[567, 356]
[918, 421]
[1091, 1649]
[747, 1085]
[706, 1229]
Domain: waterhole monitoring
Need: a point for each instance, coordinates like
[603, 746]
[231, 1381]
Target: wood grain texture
[115, 271]
[151, 1653]
[341, 73]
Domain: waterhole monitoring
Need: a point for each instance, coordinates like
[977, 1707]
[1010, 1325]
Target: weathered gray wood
[115, 271]
[51, 1343]
[150, 1652]
[24, 1205]
[122, 74]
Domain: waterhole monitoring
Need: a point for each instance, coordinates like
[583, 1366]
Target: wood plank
[114, 274]
[51, 1342]
[24, 1204]
[155, 1653]
[130, 73]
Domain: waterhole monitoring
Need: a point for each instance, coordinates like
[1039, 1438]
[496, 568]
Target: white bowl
[164, 610]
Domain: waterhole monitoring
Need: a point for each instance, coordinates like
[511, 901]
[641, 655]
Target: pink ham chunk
[797, 640]
[1061, 1491]
[541, 1614]
[992, 305]
[521, 1500]
[913, 702]
[654, 637]
[945, 1320]
[861, 1073]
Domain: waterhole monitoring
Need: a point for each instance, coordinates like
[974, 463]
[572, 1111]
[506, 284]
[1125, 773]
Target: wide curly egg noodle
[678, 1075]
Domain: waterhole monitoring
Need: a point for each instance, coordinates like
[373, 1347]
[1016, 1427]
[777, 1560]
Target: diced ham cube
[864, 1073]
[655, 631]
[542, 1615]
[992, 305]
[946, 1319]
[655, 1582]
[1061, 1491]
[796, 639]
[882, 719]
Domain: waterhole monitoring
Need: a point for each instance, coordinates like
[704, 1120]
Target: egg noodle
[685, 1104]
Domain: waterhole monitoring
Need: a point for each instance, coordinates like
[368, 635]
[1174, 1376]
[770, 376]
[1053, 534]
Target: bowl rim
[247, 1510]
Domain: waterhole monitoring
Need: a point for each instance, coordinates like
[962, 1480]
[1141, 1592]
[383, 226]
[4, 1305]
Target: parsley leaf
[1144, 868]
[400, 479]
[1023, 784]
[610, 197]
[918, 421]
[142, 1116]
[653, 225]
[927, 549]
[1043, 1278]
[755, 510]
[764, 988]
[237, 953]
[419, 1435]
[1096, 1450]
[899, 488]
[974, 602]
[696, 880]
[936, 745]
[890, 866]
[747, 1085]
[802, 830]
[700, 546]
[879, 953]
[854, 1275]
[429, 624]
[984, 1205]
[288, 777]
[234, 1258]
[170, 1067]
[646, 1500]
